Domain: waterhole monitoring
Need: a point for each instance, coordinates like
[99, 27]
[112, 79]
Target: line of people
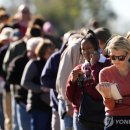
[43, 77]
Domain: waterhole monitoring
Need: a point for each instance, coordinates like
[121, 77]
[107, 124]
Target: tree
[62, 13]
[66, 14]
[98, 9]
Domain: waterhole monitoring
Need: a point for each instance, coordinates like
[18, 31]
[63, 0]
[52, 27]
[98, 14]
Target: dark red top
[74, 91]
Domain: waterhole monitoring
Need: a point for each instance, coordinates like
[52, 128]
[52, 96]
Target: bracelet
[119, 101]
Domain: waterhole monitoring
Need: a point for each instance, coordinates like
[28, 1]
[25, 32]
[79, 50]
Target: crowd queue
[78, 81]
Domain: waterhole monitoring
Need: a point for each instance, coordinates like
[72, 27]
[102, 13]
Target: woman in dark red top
[89, 70]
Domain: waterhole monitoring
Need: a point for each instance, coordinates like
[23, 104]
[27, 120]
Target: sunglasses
[119, 58]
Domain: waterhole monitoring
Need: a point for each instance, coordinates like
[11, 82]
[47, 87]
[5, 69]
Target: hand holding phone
[75, 74]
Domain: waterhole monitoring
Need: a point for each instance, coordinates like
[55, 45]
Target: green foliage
[69, 14]
[62, 13]
[66, 14]
[98, 9]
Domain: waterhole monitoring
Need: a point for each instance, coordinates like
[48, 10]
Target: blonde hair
[119, 43]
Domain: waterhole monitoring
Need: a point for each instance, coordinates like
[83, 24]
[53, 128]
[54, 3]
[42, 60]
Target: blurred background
[74, 14]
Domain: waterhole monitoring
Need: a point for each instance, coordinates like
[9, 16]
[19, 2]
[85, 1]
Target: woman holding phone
[89, 70]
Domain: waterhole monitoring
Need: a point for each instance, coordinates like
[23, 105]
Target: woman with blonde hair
[117, 107]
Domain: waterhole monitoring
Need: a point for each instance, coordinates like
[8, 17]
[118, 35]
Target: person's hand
[94, 57]
[1, 78]
[69, 110]
[104, 89]
[45, 89]
[2, 84]
[75, 74]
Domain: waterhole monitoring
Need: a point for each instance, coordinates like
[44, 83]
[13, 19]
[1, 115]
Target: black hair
[35, 31]
[102, 33]
[38, 21]
[90, 36]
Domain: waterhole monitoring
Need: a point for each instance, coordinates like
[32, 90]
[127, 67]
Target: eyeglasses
[119, 58]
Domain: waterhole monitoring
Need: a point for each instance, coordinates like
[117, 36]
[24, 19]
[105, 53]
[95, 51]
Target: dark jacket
[31, 82]
[3, 50]
[14, 75]
[49, 74]
[3, 73]
[15, 49]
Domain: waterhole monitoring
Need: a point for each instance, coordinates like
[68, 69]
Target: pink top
[111, 74]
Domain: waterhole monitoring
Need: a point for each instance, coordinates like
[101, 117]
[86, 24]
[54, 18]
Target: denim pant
[55, 120]
[67, 122]
[78, 126]
[24, 120]
[40, 120]
[1, 114]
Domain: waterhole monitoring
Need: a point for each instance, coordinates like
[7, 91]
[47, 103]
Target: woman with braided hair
[84, 78]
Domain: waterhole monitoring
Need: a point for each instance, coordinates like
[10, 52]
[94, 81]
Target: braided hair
[90, 36]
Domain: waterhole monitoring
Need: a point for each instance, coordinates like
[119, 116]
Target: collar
[102, 58]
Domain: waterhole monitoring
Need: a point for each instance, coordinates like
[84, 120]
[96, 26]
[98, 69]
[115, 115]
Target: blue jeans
[77, 125]
[24, 120]
[1, 114]
[67, 122]
[40, 120]
[14, 113]
[55, 123]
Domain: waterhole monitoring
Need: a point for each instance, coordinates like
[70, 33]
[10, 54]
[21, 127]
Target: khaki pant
[7, 111]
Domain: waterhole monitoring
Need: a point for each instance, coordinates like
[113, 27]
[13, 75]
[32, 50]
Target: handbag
[91, 112]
